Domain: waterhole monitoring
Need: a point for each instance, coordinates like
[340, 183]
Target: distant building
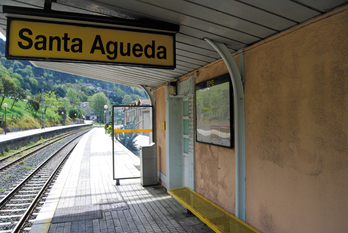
[140, 111]
[90, 86]
[85, 107]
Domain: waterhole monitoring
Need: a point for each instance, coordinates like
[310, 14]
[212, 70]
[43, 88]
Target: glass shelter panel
[131, 129]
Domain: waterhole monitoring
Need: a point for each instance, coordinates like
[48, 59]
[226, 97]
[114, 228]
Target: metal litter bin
[148, 165]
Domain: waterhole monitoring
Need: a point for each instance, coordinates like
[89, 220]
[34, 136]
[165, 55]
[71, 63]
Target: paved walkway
[86, 199]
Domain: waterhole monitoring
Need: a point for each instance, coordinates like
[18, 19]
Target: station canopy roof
[237, 24]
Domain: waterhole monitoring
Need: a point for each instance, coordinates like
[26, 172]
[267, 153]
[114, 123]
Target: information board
[213, 111]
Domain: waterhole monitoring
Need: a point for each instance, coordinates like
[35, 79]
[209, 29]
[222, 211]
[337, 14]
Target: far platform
[18, 134]
[85, 197]
[12, 140]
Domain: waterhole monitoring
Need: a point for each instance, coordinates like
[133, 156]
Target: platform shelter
[249, 97]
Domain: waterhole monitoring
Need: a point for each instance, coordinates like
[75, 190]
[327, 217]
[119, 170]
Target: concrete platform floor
[85, 198]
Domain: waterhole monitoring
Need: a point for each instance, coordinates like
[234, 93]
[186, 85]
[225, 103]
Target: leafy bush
[73, 113]
[107, 125]
[128, 139]
[109, 129]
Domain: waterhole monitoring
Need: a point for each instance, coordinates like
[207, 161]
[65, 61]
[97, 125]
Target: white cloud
[2, 36]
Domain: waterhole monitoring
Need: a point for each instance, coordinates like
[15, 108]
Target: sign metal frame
[143, 27]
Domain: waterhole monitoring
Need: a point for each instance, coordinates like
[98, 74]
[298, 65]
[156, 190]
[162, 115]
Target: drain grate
[77, 213]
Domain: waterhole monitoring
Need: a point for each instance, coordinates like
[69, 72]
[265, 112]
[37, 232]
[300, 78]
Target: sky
[2, 36]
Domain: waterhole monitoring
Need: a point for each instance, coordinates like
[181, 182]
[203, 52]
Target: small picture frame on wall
[214, 111]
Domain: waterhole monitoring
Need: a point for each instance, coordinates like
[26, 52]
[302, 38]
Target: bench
[215, 217]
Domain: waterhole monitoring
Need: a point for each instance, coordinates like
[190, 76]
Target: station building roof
[237, 24]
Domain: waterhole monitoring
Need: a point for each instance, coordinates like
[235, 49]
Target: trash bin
[148, 165]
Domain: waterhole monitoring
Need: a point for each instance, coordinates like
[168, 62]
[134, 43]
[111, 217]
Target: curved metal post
[153, 104]
[239, 124]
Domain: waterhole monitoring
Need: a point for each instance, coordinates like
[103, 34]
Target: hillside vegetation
[62, 97]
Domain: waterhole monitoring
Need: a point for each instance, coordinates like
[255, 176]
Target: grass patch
[21, 117]
[9, 175]
[21, 163]
[28, 168]
[30, 143]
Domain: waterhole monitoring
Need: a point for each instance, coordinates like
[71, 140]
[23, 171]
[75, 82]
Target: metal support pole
[48, 5]
[42, 108]
[105, 120]
[153, 104]
[239, 123]
[5, 120]
[113, 141]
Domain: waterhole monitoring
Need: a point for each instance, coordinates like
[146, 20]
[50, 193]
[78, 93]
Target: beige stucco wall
[296, 114]
[296, 107]
[160, 133]
[214, 165]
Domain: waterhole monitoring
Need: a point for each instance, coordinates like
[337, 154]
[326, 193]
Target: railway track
[15, 158]
[17, 207]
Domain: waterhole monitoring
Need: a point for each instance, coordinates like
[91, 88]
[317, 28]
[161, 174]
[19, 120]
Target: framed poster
[214, 108]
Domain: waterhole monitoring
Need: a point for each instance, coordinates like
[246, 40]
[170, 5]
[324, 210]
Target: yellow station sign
[57, 41]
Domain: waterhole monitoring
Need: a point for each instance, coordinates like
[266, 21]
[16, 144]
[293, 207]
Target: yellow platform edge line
[170, 191]
[132, 130]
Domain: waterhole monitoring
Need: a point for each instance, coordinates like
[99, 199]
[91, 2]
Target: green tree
[135, 97]
[97, 102]
[1, 89]
[16, 81]
[18, 76]
[34, 103]
[72, 95]
[26, 72]
[19, 95]
[62, 113]
[4, 72]
[127, 99]
[34, 85]
[60, 90]
[50, 100]
[64, 102]
[9, 88]
[86, 90]
[73, 113]
[82, 96]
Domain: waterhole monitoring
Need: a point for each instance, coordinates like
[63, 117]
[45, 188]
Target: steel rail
[28, 210]
[31, 153]
[13, 191]
[33, 204]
